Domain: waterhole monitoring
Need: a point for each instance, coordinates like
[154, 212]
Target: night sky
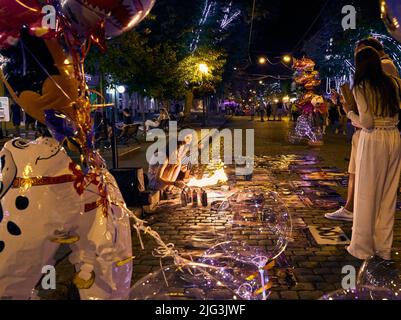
[290, 21]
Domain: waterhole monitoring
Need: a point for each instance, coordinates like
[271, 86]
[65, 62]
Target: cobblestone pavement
[316, 268]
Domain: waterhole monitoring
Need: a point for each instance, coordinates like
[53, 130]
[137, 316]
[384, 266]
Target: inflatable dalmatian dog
[41, 207]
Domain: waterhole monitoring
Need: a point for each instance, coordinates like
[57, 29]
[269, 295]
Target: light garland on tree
[209, 8]
[396, 54]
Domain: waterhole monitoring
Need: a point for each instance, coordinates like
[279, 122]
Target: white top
[366, 119]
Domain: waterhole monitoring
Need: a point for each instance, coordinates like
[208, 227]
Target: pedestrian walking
[252, 112]
[262, 112]
[268, 111]
[280, 110]
[334, 117]
[274, 110]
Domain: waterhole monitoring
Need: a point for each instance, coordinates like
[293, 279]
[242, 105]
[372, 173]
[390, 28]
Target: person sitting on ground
[164, 169]
[164, 115]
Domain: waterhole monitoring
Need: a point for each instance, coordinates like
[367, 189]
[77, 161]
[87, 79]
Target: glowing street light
[203, 68]
[121, 89]
[287, 58]
[262, 60]
[261, 82]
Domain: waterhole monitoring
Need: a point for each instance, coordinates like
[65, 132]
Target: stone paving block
[304, 286]
[289, 295]
[310, 295]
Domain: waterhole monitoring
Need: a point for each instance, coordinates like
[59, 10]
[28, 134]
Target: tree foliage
[155, 58]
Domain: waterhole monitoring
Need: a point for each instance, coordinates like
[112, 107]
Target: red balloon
[13, 15]
[87, 17]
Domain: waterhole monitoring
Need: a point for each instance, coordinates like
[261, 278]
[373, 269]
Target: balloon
[361, 293]
[16, 14]
[42, 76]
[262, 212]
[317, 100]
[391, 16]
[48, 201]
[91, 18]
[311, 84]
[192, 281]
[304, 64]
[243, 276]
[380, 273]
[60, 126]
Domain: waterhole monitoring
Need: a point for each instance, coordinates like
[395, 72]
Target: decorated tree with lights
[333, 48]
[201, 72]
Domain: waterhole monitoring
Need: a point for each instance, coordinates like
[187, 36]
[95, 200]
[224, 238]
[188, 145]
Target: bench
[130, 132]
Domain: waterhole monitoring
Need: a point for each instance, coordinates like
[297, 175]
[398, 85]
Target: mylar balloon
[380, 273]
[14, 14]
[361, 293]
[391, 15]
[193, 281]
[89, 17]
[41, 75]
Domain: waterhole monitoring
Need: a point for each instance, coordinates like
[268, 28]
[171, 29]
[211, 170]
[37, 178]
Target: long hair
[369, 71]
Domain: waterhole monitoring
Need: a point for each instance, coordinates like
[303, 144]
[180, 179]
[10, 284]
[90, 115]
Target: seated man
[127, 122]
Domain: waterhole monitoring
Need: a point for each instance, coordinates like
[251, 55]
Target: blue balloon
[59, 125]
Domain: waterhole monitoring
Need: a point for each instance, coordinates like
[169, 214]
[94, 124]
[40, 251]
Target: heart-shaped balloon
[42, 76]
[391, 16]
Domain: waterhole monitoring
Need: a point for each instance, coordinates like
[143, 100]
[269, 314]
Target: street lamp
[287, 58]
[203, 68]
[121, 89]
[262, 60]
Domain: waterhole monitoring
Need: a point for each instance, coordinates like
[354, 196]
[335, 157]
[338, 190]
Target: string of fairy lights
[211, 9]
[392, 48]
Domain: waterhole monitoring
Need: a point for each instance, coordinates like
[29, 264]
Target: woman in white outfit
[378, 157]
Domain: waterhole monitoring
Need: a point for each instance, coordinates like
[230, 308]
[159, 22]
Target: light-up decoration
[209, 8]
[304, 130]
[219, 176]
[394, 54]
[229, 16]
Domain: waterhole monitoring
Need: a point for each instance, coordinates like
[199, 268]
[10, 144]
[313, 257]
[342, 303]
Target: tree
[201, 72]
[331, 47]
[149, 70]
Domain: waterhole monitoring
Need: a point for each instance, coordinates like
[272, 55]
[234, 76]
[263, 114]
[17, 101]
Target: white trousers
[376, 186]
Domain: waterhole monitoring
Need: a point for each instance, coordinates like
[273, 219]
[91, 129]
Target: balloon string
[98, 94]
[163, 250]
[45, 71]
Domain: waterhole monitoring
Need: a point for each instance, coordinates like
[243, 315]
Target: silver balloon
[193, 281]
[391, 16]
[380, 273]
[116, 16]
[361, 293]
